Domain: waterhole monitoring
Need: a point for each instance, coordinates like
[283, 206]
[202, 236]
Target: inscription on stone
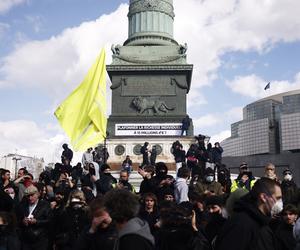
[148, 86]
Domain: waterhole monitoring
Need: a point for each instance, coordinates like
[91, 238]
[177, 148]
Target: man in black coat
[248, 228]
[67, 153]
[185, 125]
[33, 217]
[145, 152]
[217, 151]
[106, 181]
[290, 191]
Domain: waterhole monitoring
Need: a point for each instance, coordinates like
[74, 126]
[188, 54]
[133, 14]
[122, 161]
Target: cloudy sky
[47, 46]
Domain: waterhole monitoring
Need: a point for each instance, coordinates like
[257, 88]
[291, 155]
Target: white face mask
[12, 196]
[77, 206]
[209, 178]
[288, 177]
[277, 208]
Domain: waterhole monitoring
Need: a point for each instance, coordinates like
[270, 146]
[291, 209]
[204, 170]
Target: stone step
[135, 178]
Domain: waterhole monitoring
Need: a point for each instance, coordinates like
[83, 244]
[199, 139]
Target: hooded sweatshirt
[181, 190]
[135, 235]
[297, 234]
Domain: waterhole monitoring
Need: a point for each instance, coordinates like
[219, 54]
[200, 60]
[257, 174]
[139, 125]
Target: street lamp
[15, 158]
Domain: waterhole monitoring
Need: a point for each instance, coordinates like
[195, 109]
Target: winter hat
[244, 165]
[287, 171]
[161, 166]
[209, 171]
[214, 200]
[31, 190]
[104, 167]
[168, 191]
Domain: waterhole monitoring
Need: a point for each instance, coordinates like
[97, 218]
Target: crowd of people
[85, 207]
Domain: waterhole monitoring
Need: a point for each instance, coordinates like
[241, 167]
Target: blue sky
[47, 46]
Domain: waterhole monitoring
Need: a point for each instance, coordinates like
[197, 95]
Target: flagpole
[105, 144]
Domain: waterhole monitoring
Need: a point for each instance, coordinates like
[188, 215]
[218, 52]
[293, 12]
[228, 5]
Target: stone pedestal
[149, 93]
[151, 79]
[119, 147]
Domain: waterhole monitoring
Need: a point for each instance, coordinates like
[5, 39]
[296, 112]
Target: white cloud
[206, 121]
[59, 64]
[234, 114]
[220, 136]
[215, 122]
[215, 27]
[6, 5]
[253, 86]
[26, 137]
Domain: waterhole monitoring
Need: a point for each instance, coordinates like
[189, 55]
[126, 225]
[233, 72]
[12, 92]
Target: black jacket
[9, 241]
[186, 123]
[247, 229]
[284, 234]
[290, 193]
[181, 238]
[179, 155]
[105, 183]
[151, 218]
[70, 225]
[148, 186]
[67, 154]
[217, 154]
[6, 202]
[38, 231]
[102, 239]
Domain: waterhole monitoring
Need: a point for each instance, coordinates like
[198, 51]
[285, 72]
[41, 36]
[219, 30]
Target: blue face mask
[209, 178]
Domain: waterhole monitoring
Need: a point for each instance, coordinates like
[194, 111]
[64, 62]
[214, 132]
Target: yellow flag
[83, 113]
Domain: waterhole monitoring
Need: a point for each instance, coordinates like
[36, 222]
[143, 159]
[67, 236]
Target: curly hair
[121, 204]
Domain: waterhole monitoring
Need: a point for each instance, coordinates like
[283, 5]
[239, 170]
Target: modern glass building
[269, 132]
[269, 126]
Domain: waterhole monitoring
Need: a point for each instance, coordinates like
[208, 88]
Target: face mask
[51, 194]
[277, 208]
[77, 206]
[12, 196]
[209, 178]
[288, 177]
[161, 174]
[271, 176]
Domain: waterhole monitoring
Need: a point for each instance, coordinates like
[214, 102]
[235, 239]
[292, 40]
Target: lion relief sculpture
[142, 104]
